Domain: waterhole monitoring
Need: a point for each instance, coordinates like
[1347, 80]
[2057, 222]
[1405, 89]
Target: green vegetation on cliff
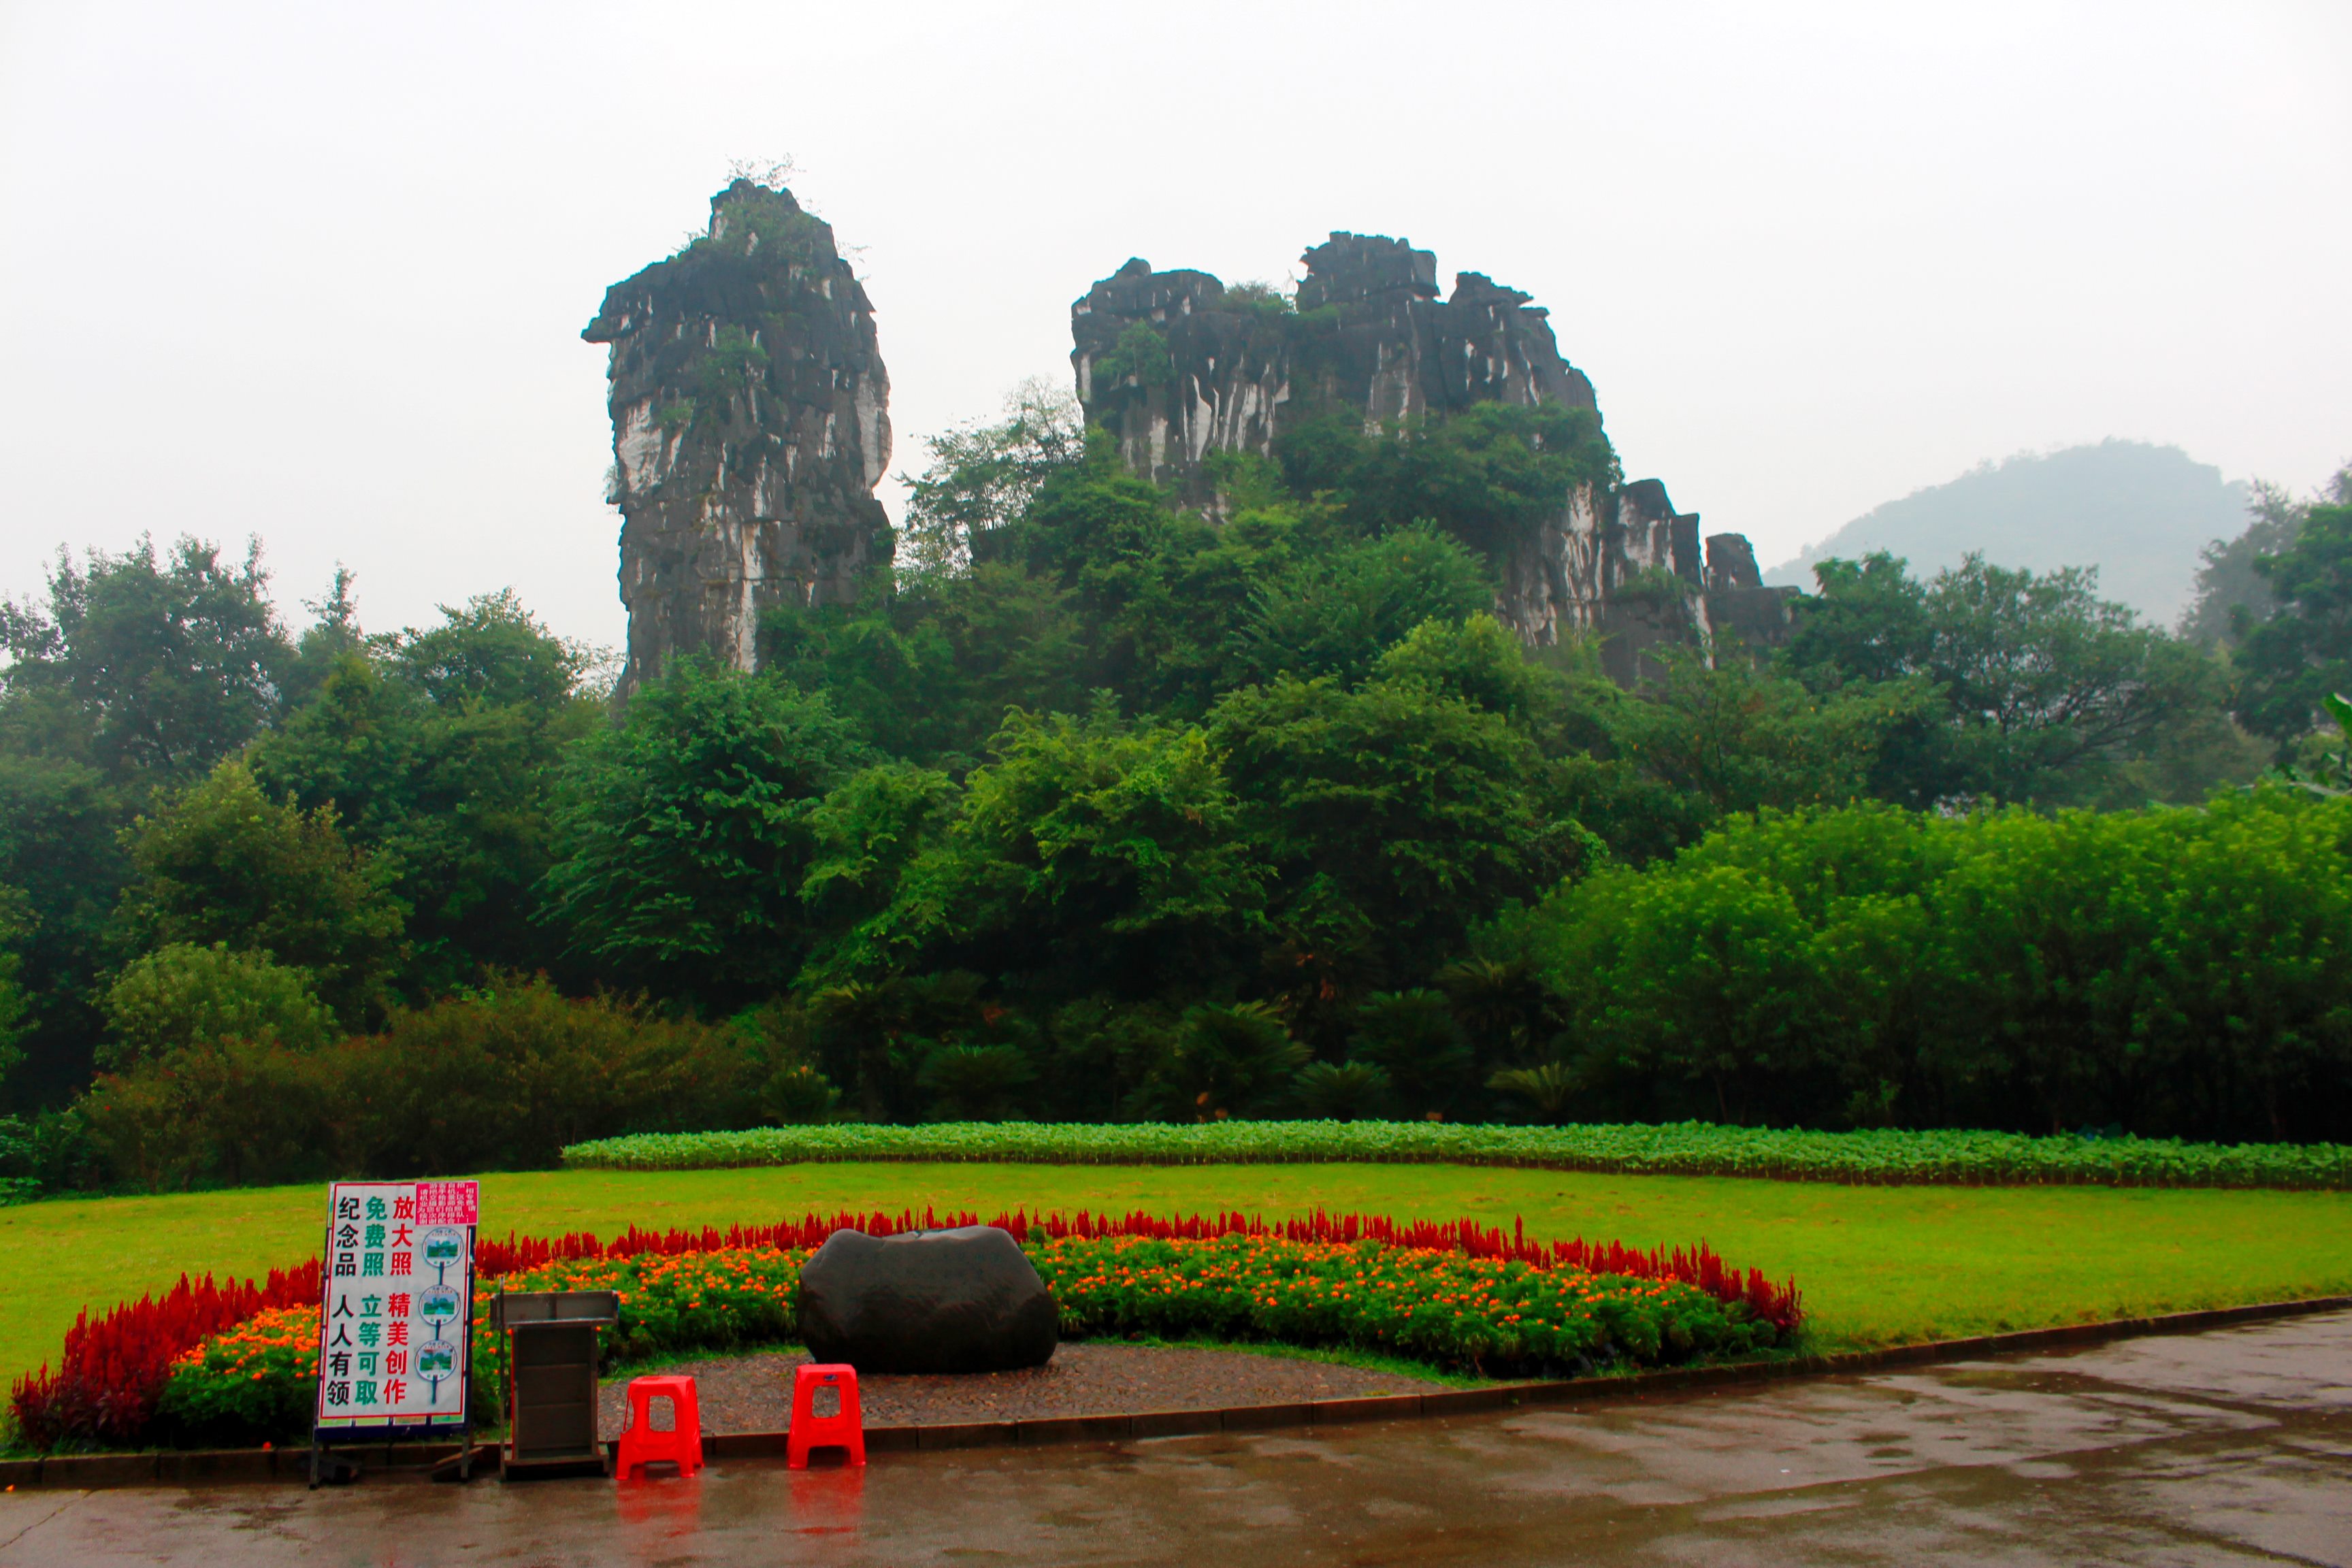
[1105, 810]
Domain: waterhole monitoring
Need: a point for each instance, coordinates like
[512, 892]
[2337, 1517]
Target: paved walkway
[2223, 1448]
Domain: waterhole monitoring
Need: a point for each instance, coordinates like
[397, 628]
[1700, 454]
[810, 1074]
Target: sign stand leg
[328, 1468]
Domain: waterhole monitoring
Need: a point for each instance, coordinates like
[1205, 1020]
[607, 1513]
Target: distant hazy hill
[2138, 513]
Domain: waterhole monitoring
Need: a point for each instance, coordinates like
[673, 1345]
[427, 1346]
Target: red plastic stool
[641, 1445]
[846, 1428]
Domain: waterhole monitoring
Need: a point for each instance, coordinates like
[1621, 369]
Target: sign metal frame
[445, 1249]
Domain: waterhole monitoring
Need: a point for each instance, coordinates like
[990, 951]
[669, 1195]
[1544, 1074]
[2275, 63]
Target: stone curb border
[93, 1471]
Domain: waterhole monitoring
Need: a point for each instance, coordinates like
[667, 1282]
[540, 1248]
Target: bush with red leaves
[104, 1391]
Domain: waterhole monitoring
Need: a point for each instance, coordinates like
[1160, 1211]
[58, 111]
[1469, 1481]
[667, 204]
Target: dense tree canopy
[682, 835]
[141, 667]
[1098, 807]
[2044, 693]
[2302, 652]
[223, 863]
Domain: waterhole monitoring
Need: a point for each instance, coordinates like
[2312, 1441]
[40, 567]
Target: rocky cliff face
[751, 422]
[1179, 367]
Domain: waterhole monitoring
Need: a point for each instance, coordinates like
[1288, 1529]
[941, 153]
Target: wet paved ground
[754, 1393]
[2223, 1448]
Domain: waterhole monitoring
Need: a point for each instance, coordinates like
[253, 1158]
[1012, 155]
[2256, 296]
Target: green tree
[983, 479]
[1088, 855]
[2230, 587]
[1412, 1036]
[1478, 660]
[1735, 739]
[929, 671]
[15, 1008]
[439, 751]
[2302, 652]
[1228, 1060]
[221, 862]
[133, 672]
[868, 829]
[682, 835]
[1489, 475]
[1395, 816]
[1335, 612]
[183, 998]
[2046, 691]
[325, 642]
[146, 669]
[58, 845]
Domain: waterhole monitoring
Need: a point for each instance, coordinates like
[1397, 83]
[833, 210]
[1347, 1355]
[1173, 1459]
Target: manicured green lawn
[1878, 1265]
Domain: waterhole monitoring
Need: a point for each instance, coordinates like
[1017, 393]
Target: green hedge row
[1690, 1148]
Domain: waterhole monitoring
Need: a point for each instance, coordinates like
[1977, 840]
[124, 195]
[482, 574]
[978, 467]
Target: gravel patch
[754, 1393]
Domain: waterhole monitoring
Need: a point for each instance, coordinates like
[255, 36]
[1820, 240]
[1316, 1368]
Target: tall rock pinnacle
[1177, 367]
[751, 422]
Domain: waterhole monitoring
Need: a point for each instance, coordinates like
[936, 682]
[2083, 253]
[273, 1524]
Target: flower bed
[1458, 1296]
[256, 1381]
[113, 1369]
[1487, 1315]
[1688, 1149]
[1697, 1265]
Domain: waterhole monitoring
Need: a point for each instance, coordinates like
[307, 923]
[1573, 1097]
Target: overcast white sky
[317, 272]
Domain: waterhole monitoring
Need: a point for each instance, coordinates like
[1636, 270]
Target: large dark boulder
[928, 1301]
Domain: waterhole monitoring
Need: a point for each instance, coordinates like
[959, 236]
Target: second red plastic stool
[846, 1428]
[641, 1445]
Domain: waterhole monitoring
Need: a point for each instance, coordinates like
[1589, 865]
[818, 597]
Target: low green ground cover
[1685, 1149]
[1878, 1265]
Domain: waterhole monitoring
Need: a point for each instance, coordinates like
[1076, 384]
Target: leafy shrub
[1548, 1088]
[1234, 1060]
[502, 1080]
[1341, 1091]
[50, 1152]
[2171, 971]
[975, 1083]
[1687, 1149]
[255, 1382]
[242, 1112]
[221, 862]
[1412, 1036]
[182, 996]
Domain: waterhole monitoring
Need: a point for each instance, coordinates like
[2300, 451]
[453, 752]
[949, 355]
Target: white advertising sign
[394, 1331]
